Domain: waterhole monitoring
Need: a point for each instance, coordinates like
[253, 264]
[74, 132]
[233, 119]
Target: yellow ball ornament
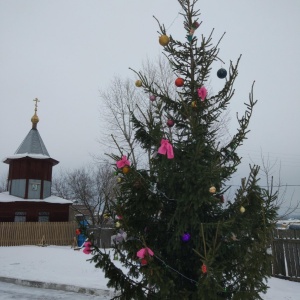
[118, 224]
[126, 170]
[242, 209]
[194, 104]
[119, 179]
[212, 190]
[138, 83]
[164, 40]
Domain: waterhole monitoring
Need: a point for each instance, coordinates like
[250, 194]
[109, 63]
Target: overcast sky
[65, 51]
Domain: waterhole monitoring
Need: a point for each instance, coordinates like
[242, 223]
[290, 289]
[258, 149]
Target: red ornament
[179, 82]
[204, 269]
[170, 123]
[78, 231]
[144, 262]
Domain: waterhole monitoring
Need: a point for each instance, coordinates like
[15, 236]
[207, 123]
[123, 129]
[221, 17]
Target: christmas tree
[183, 241]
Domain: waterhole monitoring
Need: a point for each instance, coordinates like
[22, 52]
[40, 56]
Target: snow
[64, 265]
[22, 155]
[5, 197]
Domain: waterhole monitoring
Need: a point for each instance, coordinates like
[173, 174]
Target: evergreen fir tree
[193, 246]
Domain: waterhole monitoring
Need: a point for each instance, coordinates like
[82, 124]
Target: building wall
[18, 187]
[30, 178]
[34, 210]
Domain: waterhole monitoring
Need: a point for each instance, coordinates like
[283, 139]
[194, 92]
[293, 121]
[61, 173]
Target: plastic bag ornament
[144, 252]
[87, 247]
[123, 162]
[202, 93]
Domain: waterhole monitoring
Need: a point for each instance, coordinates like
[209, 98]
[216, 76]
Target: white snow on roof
[5, 197]
[15, 156]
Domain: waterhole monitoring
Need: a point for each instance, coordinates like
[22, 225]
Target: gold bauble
[118, 224]
[138, 83]
[119, 179]
[164, 40]
[212, 190]
[242, 209]
[194, 104]
[126, 170]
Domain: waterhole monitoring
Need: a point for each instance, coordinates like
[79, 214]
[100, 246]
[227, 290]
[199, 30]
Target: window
[20, 216]
[44, 216]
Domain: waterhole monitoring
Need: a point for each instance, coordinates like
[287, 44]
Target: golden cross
[36, 101]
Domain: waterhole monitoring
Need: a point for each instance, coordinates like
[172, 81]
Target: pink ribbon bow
[202, 93]
[123, 162]
[166, 149]
[87, 248]
[144, 252]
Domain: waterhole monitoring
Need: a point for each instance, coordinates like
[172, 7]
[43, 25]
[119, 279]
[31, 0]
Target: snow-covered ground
[64, 265]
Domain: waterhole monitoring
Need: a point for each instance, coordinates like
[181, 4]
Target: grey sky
[65, 51]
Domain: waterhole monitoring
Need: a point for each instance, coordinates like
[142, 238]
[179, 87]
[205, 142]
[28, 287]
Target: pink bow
[123, 162]
[166, 148]
[144, 252]
[202, 93]
[87, 248]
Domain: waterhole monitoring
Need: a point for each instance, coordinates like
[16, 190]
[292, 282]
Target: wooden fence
[286, 254]
[34, 233]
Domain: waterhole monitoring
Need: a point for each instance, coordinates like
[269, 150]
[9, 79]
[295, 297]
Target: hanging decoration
[179, 82]
[126, 170]
[186, 237]
[78, 231]
[194, 104]
[242, 209]
[144, 252]
[170, 123]
[87, 247]
[222, 73]
[143, 262]
[138, 83]
[202, 93]
[123, 162]
[166, 149]
[204, 269]
[152, 97]
[212, 190]
[106, 216]
[118, 224]
[164, 40]
[194, 26]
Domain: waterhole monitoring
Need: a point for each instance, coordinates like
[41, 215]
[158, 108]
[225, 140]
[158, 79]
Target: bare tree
[3, 183]
[91, 187]
[269, 170]
[122, 99]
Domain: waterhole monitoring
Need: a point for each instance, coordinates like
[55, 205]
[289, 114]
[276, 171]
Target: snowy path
[63, 265]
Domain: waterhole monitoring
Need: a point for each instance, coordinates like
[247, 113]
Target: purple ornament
[152, 97]
[170, 123]
[185, 237]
